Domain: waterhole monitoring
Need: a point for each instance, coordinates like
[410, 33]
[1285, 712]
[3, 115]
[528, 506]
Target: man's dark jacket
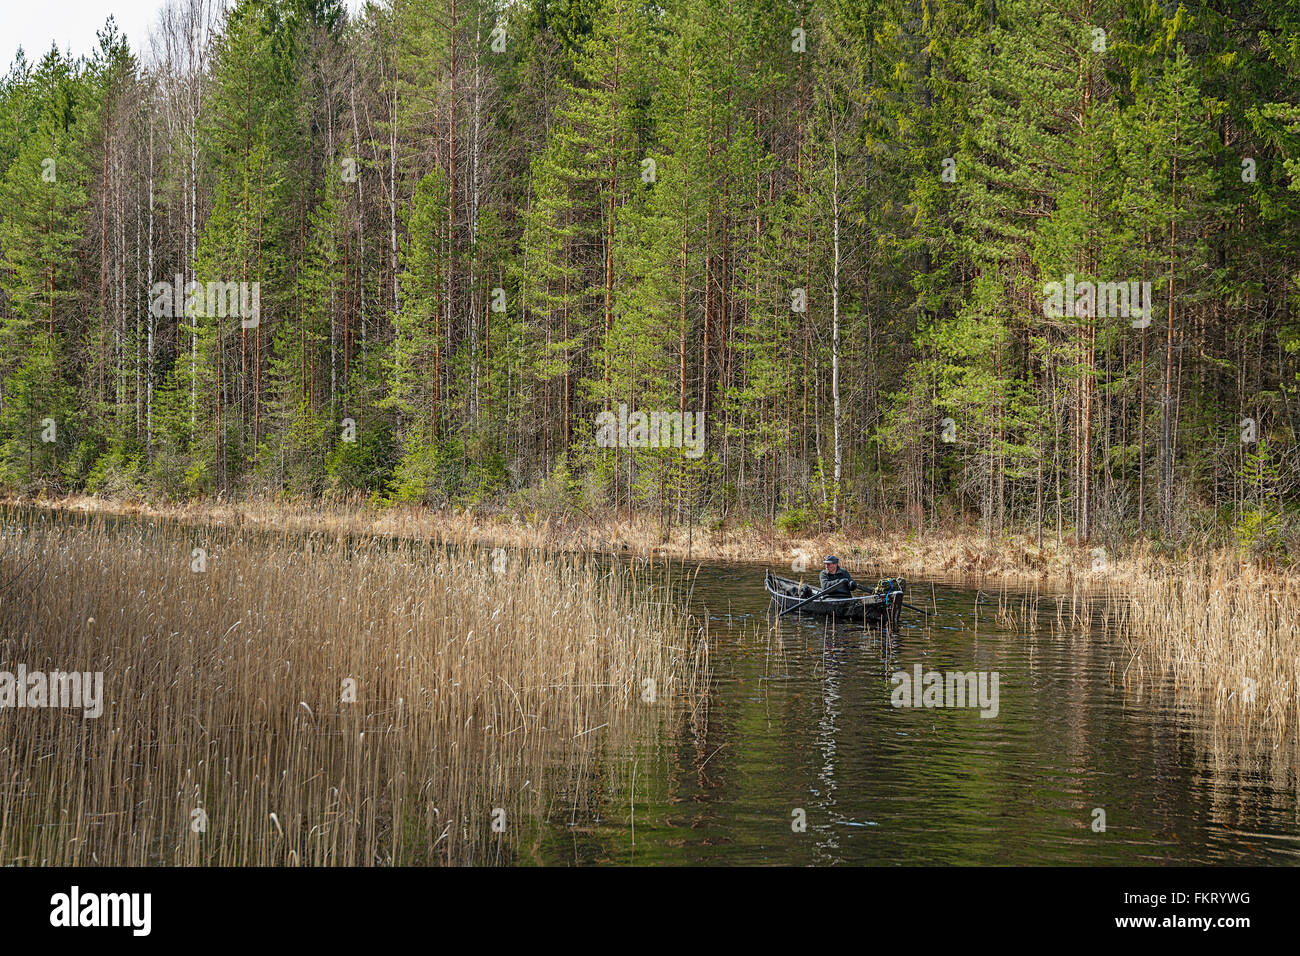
[840, 575]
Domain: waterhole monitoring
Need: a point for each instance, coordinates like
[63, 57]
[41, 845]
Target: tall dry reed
[1228, 633]
[227, 736]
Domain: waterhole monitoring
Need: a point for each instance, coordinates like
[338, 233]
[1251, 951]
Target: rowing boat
[881, 607]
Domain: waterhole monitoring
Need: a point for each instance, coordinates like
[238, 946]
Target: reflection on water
[800, 719]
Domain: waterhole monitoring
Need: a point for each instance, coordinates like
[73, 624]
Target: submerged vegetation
[318, 700]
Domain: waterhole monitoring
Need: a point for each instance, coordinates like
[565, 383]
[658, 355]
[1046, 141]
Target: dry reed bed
[1229, 634]
[956, 554]
[1224, 633]
[224, 694]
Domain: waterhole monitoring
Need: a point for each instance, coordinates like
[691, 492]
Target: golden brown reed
[1229, 635]
[224, 694]
[951, 552]
[1222, 632]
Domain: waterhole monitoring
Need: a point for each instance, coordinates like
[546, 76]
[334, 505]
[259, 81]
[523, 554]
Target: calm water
[800, 718]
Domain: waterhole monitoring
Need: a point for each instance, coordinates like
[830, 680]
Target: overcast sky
[32, 24]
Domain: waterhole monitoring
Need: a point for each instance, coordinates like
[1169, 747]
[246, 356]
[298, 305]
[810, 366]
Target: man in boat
[833, 574]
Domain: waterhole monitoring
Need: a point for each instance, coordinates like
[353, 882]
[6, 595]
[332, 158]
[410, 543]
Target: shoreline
[943, 553]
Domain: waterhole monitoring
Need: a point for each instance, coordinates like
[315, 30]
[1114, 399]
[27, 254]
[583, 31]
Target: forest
[1002, 265]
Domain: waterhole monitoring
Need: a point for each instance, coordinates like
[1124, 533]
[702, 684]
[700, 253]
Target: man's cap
[831, 559]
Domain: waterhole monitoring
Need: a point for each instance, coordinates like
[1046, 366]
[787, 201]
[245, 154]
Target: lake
[800, 718]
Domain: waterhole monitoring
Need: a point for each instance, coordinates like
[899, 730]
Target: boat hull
[878, 609]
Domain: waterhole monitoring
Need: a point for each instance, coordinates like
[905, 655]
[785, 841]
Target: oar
[918, 610]
[819, 594]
